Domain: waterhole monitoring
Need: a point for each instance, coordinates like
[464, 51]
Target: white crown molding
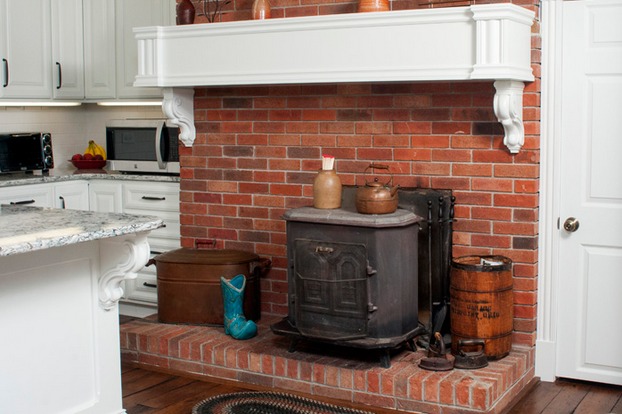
[479, 42]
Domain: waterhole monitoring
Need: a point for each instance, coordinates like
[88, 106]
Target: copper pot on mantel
[261, 9]
[185, 12]
[373, 5]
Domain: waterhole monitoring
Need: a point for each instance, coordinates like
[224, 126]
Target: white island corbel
[60, 281]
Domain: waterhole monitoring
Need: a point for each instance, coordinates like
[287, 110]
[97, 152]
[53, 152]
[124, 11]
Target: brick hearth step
[339, 373]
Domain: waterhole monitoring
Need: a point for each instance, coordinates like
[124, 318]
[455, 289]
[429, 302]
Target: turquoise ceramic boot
[236, 324]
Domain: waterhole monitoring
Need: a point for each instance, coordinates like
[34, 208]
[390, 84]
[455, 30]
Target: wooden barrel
[482, 303]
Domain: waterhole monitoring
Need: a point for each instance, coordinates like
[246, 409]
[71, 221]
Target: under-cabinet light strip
[130, 103]
[35, 103]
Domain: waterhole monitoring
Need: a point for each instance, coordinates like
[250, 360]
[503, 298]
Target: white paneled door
[589, 337]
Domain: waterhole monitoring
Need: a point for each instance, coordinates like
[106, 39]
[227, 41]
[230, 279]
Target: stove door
[331, 287]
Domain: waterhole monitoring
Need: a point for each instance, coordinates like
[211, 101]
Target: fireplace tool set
[438, 239]
[436, 266]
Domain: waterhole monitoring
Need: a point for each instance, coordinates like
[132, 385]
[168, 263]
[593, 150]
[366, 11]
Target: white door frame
[550, 184]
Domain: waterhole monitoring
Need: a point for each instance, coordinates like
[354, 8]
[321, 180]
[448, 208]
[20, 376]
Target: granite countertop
[12, 179]
[25, 229]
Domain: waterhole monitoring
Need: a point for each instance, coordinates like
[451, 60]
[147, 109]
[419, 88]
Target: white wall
[71, 127]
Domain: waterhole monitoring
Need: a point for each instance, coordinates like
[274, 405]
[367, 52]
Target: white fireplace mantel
[479, 42]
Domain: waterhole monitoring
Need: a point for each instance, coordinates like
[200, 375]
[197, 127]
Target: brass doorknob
[571, 224]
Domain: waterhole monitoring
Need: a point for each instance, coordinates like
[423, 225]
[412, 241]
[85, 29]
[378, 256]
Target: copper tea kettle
[376, 197]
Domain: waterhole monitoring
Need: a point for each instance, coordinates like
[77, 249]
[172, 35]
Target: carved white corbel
[121, 258]
[508, 107]
[178, 106]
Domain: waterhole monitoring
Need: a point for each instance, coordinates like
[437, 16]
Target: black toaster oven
[26, 152]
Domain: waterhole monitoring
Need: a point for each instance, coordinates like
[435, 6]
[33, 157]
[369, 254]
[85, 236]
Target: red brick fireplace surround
[256, 153]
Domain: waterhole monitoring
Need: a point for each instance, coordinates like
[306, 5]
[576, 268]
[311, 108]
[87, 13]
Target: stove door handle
[322, 249]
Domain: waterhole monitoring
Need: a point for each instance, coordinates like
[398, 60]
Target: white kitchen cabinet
[39, 195]
[75, 49]
[105, 196]
[66, 194]
[131, 14]
[41, 49]
[72, 195]
[67, 49]
[99, 49]
[161, 200]
[25, 49]
[110, 48]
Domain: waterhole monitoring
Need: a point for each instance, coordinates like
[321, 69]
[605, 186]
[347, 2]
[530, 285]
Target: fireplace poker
[442, 310]
[430, 293]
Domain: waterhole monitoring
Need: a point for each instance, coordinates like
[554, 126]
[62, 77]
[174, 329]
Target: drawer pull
[154, 198]
[22, 202]
[6, 73]
[150, 285]
[60, 75]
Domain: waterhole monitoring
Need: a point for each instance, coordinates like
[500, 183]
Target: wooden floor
[567, 396]
[153, 392]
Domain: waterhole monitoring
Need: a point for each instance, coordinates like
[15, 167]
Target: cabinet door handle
[22, 202]
[154, 198]
[6, 73]
[60, 75]
[150, 285]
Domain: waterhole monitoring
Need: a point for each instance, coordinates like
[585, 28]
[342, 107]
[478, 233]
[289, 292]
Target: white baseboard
[545, 360]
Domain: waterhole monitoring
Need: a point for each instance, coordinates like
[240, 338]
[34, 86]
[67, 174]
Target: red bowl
[89, 164]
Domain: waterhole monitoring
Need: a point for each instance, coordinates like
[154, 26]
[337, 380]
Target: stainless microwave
[142, 146]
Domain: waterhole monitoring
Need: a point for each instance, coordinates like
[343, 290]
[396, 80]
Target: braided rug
[267, 403]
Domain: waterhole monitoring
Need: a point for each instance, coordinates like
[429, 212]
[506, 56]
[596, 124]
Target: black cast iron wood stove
[352, 278]
[367, 281]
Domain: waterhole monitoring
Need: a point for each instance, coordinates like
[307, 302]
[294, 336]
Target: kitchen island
[61, 274]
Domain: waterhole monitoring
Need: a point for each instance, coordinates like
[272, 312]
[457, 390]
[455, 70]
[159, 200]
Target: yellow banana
[100, 150]
[95, 149]
[89, 149]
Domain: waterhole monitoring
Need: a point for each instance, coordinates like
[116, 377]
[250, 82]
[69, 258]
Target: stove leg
[292, 345]
[385, 358]
[412, 345]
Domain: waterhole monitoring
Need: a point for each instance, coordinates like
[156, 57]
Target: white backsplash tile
[71, 127]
